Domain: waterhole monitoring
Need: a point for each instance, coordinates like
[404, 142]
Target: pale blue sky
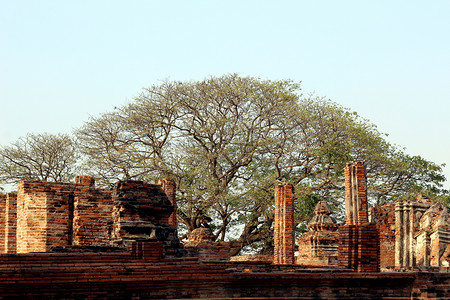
[61, 61]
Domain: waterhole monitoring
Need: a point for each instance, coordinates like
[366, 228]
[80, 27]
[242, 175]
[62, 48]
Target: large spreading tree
[228, 140]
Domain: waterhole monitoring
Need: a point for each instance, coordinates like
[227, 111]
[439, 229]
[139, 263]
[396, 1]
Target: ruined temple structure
[75, 241]
[202, 245]
[46, 216]
[358, 239]
[319, 245]
[413, 233]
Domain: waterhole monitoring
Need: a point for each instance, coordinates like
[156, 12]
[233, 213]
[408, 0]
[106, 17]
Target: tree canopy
[227, 141]
[46, 157]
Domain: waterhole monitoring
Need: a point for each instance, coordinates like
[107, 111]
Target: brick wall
[284, 224]
[169, 187]
[10, 223]
[51, 215]
[62, 214]
[136, 275]
[8, 211]
[31, 217]
[384, 218]
[319, 245]
[2, 222]
[359, 248]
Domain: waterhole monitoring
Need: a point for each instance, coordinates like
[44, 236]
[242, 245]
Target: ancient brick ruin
[75, 241]
[284, 225]
[358, 239]
[46, 216]
[413, 233]
[319, 246]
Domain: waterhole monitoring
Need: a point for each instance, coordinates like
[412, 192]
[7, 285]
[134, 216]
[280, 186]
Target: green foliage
[228, 140]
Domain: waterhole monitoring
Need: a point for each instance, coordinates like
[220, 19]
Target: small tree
[46, 157]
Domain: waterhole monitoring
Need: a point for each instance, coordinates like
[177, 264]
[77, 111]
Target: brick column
[169, 187]
[355, 194]
[359, 246]
[11, 221]
[2, 222]
[284, 225]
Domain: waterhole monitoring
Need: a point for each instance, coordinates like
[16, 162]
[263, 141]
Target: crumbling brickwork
[201, 244]
[45, 215]
[413, 233]
[169, 187]
[62, 214]
[355, 194]
[139, 274]
[384, 218]
[142, 211]
[143, 267]
[284, 225]
[8, 212]
[358, 239]
[359, 248]
[319, 246]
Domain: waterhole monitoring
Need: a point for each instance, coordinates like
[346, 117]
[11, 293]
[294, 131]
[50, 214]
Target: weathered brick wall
[384, 218]
[284, 224]
[10, 223]
[422, 233]
[92, 219]
[2, 222]
[136, 275]
[359, 248]
[62, 214]
[169, 187]
[31, 217]
[8, 210]
[53, 215]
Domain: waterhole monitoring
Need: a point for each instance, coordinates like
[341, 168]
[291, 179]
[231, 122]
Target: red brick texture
[8, 213]
[44, 216]
[284, 225]
[319, 246]
[169, 187]
[135, 275]
[359, 247]
[355, 194]
[384, 218]
[62, 214]
[413, 233]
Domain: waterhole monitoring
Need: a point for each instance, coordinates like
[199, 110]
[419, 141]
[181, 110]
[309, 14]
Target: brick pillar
[359, 246]
[284, 225]
[355, 194]
[2, 222]
[169, 187]
[10, 223]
